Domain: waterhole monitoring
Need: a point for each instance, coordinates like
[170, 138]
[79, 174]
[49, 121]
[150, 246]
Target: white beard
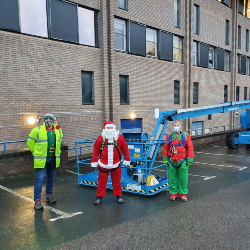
[110, 133]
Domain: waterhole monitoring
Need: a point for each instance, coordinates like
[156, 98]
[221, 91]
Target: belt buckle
[51, 150]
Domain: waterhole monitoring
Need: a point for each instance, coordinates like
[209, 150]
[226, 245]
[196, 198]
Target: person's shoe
[184, 199]
[172, 198]
[119, 199]
[50, 199]
[98, 201]
[38, 205]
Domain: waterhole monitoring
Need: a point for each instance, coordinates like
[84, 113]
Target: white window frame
[195, 53]
[122, 22]
[247, 66]
[177, 48]
[227, 61]
[213, 58]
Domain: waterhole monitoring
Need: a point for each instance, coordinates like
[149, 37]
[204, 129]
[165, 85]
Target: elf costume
[178, 154]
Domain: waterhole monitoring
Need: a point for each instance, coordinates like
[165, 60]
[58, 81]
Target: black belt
[113, 169]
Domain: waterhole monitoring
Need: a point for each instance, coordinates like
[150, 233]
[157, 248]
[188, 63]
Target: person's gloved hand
[190, 161]
[165, 160]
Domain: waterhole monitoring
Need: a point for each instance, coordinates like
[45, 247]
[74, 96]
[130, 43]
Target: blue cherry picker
[143, 149]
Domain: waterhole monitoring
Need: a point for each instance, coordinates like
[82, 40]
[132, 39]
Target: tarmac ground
[216, 216]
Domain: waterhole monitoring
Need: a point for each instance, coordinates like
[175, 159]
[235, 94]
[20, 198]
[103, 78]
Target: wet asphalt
[216, 216]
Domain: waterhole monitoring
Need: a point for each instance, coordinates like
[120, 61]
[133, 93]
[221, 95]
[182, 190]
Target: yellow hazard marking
[137, 155]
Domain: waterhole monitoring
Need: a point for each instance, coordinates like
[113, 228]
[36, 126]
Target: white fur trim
[94, 164]
[126, 163]
[110, 126]
[108, 166]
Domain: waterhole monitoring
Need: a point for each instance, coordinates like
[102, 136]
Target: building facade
[88, 61]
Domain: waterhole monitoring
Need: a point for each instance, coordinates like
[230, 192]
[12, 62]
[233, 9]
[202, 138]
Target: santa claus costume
[110, 145]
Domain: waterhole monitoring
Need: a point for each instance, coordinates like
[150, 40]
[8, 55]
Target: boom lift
[143, 150]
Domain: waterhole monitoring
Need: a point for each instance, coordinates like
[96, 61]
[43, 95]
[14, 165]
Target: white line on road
[71, 172]
[226, 166]
[64, 215]
[239, 156]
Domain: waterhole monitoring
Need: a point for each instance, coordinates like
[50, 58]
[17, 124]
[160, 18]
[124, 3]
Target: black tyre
[230, 140]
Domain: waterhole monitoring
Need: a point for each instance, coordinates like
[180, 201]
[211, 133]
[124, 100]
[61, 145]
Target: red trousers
[103, 179]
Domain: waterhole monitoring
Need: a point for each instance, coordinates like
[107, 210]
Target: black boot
[98, 201]
[119, 199]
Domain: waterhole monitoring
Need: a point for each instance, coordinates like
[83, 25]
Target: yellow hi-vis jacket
[38, 145]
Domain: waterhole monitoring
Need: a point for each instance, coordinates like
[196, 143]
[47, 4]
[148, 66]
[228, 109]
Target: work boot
[50, 199]
[38, 205]
[172, 198]
[119, 199]
[184, 199]
[98, 201]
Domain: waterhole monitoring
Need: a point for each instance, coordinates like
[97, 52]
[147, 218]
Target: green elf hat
[49, 116]
[178, 121]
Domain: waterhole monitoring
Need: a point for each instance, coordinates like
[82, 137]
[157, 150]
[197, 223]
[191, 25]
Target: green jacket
[38, 145]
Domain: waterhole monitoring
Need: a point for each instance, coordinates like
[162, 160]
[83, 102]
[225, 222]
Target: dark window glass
[225, 93]
[209, 117]
[243, 65]
[204, 55]
[137, 39]
[249, 94]
[195, 92]
[124, 89]
[122, 4]
[220, 59]
[227, 62]
[241, 6]
[87, 88]
[196, 19]
[239, 37]
[247, 40]
[177, 13]
[239, 63]
[9, 15]
[237, 93]
[245, 93]
[226, 2]
[64, 23]
[227, 32]
[176, 92]
[166, 46]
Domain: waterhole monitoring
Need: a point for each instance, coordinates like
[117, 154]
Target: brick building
[88, 61]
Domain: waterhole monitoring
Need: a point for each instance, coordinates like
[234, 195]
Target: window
[177, 49]
[124, 89]
[248, 8]
[195, 92]
[237, 93]
[243, 60]
[64, 23]
[176, 92]
[219, 59]
[9, 17]
[137, 37]
[33, 16]
[238, 62]
[177, 13]
[225, 93]
[196, 19]
[227, 33]
[203, 55]
[120, 34]
[166, 46]
[245, 93]
[247, 40]
[86, 23]
[226, 2]
[151, 45]
[122, 4]
[209, 117]
[211, 58]
[239, 37]
[247, 66]
[195, 54]
[242, 7]
[87, 88]
[227, 62]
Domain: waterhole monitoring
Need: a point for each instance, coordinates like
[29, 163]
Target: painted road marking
[71, 172]
[239, 156]
[196, 175]
[219, 147]
[63, 214]
[203, 163]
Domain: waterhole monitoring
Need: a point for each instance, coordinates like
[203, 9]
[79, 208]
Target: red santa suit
[109, 161]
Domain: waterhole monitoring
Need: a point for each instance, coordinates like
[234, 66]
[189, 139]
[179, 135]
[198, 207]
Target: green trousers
[178, 178]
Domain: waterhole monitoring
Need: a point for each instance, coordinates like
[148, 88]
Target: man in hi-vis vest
[44, 143]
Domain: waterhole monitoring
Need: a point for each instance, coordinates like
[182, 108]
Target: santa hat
[109, 124]
[178, 121]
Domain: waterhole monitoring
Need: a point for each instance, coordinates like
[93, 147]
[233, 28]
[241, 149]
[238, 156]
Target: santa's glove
[126, 163]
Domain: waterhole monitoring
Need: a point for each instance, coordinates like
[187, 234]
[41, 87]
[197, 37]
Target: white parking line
[219, 147]
[239, 156]
[71, 172]
[226, 166]
[63, 214]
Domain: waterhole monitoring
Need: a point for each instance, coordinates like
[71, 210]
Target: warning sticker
[131, 146]
[137, 150]
[137, 155]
